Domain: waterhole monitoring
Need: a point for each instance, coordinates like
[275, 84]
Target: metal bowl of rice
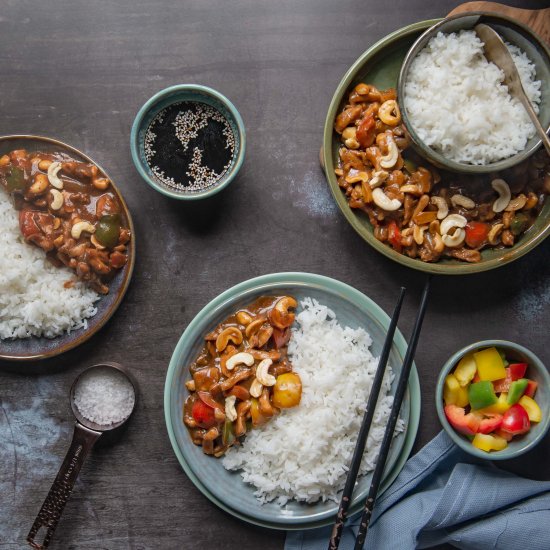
[457, 113]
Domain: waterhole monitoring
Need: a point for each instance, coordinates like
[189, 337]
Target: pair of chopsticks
[390, 427]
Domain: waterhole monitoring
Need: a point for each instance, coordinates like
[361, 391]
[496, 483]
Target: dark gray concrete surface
[79, 71]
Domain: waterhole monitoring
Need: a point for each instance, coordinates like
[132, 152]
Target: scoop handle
[50, 513]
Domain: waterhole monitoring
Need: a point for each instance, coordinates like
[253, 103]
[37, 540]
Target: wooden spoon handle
[537, 20]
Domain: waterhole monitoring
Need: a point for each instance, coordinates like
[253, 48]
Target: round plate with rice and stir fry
[419, 215]
[68, 247]
[265, 392]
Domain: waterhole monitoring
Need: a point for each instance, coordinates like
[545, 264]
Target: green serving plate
[380, 65]
[227, 489]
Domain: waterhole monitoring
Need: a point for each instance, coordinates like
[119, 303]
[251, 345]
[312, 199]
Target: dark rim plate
[227, 489]
[380, 65]
[32, 349]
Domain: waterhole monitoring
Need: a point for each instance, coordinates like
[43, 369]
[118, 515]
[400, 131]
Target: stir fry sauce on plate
[412, 207]
[242, 376]
[69, 209]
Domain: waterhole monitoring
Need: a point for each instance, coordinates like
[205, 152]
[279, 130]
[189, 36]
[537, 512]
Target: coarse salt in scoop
[104, 396]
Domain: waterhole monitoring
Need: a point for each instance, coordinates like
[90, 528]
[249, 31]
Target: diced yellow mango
[454, 393]
[466, 369]
[500, 407]
[489, 364]
[487, 442]
[533, 410]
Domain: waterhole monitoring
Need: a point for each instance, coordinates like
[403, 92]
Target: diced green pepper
[481, 395]
[15, 180]
[107, 230]
[517, 389]
[409, 165]
[228, 434]
[519, 223]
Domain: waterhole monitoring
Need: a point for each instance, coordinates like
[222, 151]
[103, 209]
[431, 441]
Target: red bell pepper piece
[530, 389]
[476, 233]
[467, 424]
[394, 236]
[489, 423]
[203, 414]
[516, 370]
[366, 131]
[516, 420]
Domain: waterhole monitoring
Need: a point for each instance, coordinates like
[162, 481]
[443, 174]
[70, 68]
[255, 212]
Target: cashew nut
[461, 200]
[256, 388]
[442, 207]
[230, 411]
[40, 185]
[79, 227]
[378, 178]
[517, 204]
[254, 326]
[349, 132]
[354, 176]
[241, 358]
[262, 374]
[383, 201]
[57, 201]
[418, 233]
[53, 170]
[280, 315]
[230, 333]
[100, 183]
[495, 231]
[454, 220]
[504, 195]
[412, 189]
[244, 318]
[351, 143]
[388, 160]
[389, 113]
[454, 240]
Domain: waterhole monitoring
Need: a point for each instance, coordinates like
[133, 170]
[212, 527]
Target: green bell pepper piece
[16, 180]
[481, 395]
[517, 389]
[519, 223]
[228, 434]
[108, 230]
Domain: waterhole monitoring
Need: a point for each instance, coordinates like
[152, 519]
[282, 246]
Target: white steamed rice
[304, 452]
[458, 105]
[33, 300]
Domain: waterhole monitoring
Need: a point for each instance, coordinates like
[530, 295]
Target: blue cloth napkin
[444, 495]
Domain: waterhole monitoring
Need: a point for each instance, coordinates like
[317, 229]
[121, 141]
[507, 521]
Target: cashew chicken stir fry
[68, 209]
[242, 377]
[418, 211]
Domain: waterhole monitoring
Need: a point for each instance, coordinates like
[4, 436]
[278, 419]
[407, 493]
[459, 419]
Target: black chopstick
[388, 434]
[365, 427]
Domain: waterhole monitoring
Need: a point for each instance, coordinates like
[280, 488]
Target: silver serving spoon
[86, 433]
[496, 51]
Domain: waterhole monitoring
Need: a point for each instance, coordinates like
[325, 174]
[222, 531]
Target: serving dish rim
[263, 284]
[127, 271]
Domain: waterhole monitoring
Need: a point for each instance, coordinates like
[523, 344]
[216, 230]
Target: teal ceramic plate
[226, 489]
[380, 65]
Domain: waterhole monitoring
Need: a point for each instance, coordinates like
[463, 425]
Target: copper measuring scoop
[86, 433]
